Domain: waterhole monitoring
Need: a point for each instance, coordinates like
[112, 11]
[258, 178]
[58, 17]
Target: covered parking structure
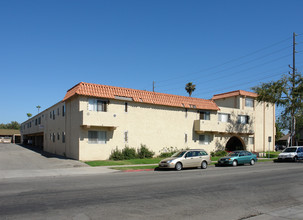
[10, 136]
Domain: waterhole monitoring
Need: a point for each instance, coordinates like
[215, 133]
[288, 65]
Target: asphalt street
[264, 191]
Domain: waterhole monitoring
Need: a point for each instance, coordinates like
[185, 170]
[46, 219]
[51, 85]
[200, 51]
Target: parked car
[186, 159]
[293, 153]
[238, 157]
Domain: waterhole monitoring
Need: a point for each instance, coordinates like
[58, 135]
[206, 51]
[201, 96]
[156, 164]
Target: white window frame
[205, 114]
[97, 105]
[251, 140]
[96, 137]
[243, 119]
[205, 139]
[223, 117]
[249, 102]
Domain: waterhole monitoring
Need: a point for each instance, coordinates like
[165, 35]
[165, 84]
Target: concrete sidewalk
[7, 174]
[294, 213]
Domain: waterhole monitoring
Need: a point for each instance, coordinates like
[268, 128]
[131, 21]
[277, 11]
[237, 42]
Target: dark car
[238, 157]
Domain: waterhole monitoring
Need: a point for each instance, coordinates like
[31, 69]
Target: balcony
[94, 119]
[202, 126]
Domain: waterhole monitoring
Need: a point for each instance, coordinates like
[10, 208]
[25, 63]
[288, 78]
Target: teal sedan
[238, 157]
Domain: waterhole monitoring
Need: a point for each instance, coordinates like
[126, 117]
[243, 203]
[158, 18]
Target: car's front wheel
[204, 165]
[235, 163]
[252, 162]
[295, 159]
[178, 166]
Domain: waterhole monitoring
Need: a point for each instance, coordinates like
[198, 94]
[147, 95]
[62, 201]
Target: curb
[128, 171]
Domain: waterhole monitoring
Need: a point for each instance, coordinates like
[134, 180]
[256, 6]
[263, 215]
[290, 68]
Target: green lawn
[272, 154]
[123, 162]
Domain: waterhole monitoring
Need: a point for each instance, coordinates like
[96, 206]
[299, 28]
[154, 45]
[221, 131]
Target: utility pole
[293, 120]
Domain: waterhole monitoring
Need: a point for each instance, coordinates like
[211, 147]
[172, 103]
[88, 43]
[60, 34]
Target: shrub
[218, 153]
[144, 152]
[116, 155]
[129, 153]
[168, 152]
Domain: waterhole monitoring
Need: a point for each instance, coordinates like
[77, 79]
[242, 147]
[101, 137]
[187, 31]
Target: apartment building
[92, 120]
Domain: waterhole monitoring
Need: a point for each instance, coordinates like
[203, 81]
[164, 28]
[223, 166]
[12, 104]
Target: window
[204, 115]
[186, 113]
[126, 136]
[58, 136]
[54, 137]
[243, 119]
[249, 102]
[185, 138]
[223, 117]
[63, 110]
[63, 137]
[50, 115]
[204, 139]
[97, 137]
[36, 121]
[97, 105]
[39, 120]
[58, 112]
[251, 140]
[125, 108]
[53, 114]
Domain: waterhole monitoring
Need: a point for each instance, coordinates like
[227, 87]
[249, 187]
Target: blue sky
[47, 47]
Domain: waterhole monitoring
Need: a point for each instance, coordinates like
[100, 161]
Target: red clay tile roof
[110, 92]
[234, 93]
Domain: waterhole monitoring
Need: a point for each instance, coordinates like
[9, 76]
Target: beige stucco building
[92, 120]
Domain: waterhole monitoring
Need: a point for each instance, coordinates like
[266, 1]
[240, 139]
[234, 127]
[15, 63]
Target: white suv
[293, 153]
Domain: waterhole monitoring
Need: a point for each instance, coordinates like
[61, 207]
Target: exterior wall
[265, 126]
[261, 126]
[155, 126]
[54, 129]
[45, 130]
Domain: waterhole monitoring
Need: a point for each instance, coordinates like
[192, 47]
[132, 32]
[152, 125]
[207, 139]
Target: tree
[12, 125]
[286, 92]
[29, 115]
[190, 87]
[38, 107]
[279, 129]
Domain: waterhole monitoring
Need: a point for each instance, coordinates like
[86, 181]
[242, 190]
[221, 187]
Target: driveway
[17, 157]
[17, 161]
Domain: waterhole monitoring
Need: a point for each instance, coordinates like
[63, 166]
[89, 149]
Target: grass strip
[124, 162]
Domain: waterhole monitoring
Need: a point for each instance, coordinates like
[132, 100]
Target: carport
[34, 139]
[10, 136]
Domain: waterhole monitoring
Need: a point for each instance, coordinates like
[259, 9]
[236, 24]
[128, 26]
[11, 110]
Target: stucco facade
[90, 124]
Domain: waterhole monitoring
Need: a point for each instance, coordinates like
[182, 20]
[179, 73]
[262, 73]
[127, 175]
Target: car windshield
[179, 154]
[291, 149]
[233, 154]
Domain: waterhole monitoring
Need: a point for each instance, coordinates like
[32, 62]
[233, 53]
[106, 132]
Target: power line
[230, 61]
[236, 73]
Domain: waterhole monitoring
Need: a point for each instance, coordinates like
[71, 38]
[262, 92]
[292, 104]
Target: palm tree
[38, 107]
[190, 87]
